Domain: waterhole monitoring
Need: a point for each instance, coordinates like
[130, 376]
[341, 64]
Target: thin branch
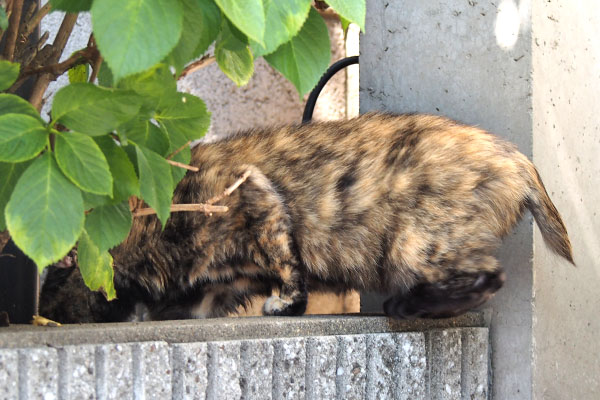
[13, 30]
[178, 150]
[79, 57]
[230, 189]
[206, 208]
[36, 19]
[97, 60]
[196, 65]
[182, 165]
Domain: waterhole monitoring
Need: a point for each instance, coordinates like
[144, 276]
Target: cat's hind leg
[456, 294]
[273, 247]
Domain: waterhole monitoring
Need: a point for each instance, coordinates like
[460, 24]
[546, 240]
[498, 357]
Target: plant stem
[36, 19]
[13, 29]
[66, 27]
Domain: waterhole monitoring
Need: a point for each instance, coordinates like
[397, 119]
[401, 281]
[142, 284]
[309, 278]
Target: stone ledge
[437, 364]
[222, 329]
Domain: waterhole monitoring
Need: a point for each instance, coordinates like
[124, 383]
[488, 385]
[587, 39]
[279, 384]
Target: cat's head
[65, 298]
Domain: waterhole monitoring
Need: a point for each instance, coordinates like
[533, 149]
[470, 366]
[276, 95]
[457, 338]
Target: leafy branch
[118, 139]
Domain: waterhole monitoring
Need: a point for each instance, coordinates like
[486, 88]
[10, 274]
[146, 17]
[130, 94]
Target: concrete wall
[566, 149]
[528, 71]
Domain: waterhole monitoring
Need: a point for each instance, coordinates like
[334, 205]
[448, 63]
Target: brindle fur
[409, 205]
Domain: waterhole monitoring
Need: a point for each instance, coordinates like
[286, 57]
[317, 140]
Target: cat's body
[412, 205]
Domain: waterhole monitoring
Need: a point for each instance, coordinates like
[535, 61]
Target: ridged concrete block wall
[434, 364]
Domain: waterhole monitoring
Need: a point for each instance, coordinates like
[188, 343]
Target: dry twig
[182, 165]
[196, 65]
[206, 208]
[178, 150]
[230, 189]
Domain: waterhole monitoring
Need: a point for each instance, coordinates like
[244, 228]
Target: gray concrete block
[321, 368]
[445, 355]
[256, 375]
[77, 372]
[475, 363]
[151, 370]
[410, 370]
[351, 371]
[9, 374]
[38, 373]
[289, 364]
[223, 371]
[189, 371]
[381, 359]
[114, 371]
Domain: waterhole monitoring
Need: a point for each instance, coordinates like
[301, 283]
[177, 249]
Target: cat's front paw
[275, 305]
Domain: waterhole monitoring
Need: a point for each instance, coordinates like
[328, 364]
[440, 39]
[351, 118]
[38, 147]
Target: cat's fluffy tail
[547, 217]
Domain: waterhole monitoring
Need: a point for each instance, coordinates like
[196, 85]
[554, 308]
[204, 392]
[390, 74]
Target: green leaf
[201, 25]
[108, 225]
[136, 34]
[21, 137]
[3, 19]
[82, 161]
[353, 11]
[345, 23]
[11, 104]
[71, 6]
[147, 134]
[284, 18]
[211, 25]
[125, 181]
[152, 84]
[184, 113]
[79, 73]
[45, 212]
[9, 72]
[248, 16]
[95, 266]
[233, 55]
[91, 200]
[105, 75]
[156, 182]
[304, 59]
[94, 110]
[9, 174]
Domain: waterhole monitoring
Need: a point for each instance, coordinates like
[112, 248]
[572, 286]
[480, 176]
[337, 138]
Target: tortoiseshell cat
[409, 205]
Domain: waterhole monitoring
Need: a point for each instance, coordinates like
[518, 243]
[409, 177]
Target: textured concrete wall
[438, 364]
[529, 71]
[566, 149]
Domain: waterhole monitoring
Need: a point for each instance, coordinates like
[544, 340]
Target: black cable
[332, 70]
